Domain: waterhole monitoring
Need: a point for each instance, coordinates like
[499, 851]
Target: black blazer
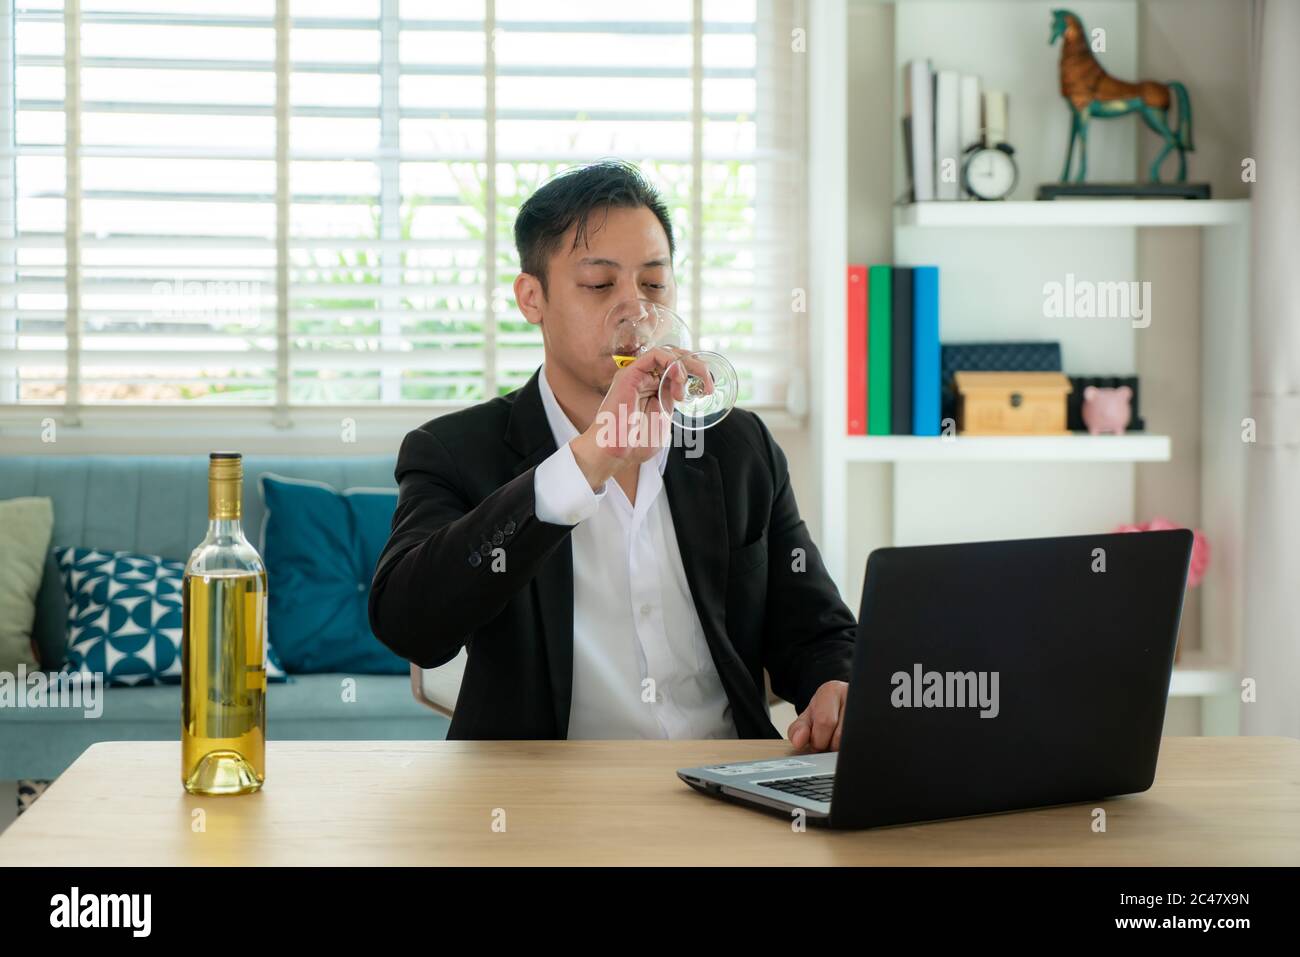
[465, 486]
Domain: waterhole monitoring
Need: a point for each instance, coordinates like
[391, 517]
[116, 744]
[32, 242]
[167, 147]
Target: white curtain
[1271, 650]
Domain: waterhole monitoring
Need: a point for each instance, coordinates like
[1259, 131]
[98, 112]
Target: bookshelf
[1065, 212]
[896, 490]
[1133, 447]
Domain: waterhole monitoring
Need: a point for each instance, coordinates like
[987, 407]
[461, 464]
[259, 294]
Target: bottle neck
[225, 529]
[224, 508]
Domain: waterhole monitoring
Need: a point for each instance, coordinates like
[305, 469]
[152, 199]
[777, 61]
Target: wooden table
[1216, 801]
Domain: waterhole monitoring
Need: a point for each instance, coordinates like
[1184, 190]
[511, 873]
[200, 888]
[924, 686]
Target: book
[855, 351]
[925, 350]
[968, 109]
[947, 135]
[900, 346]
[907, 158]
[995, 117]
[879, 321]
[918, 128]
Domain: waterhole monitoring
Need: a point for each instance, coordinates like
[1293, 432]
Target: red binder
[855, 351]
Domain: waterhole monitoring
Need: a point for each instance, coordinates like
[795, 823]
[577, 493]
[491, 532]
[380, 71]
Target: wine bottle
[223, 647]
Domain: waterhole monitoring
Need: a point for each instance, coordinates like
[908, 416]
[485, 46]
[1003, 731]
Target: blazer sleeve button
[510, 527]
[474, 559]
[497, 537]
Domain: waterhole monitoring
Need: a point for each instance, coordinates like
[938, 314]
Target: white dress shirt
[633, 617]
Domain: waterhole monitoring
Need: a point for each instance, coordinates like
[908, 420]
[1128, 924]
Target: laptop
[991, 677]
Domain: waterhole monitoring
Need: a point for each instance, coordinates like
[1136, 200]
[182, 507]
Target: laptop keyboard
[816, 787]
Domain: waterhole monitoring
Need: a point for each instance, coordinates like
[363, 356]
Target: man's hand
[818, 728]
[630, 426]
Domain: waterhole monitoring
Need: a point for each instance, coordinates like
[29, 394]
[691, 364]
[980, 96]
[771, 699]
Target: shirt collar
[564, 430]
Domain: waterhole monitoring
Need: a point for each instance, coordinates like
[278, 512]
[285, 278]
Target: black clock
[989, 172]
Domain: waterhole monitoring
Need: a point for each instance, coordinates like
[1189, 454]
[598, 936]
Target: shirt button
[475, 558]
[645, 609]
[361, 586]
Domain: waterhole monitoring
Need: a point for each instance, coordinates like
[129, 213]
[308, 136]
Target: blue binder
[925, 350]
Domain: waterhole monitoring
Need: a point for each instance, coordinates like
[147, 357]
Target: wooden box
[1011, 403]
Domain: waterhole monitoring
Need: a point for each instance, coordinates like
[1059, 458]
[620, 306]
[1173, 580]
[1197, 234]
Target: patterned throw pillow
[124, 617]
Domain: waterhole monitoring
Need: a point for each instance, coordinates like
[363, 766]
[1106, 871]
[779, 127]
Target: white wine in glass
[696, 391]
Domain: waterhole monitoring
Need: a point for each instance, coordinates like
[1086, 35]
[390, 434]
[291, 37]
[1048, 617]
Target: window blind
[310, 203]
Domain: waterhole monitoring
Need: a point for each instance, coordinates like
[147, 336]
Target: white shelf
[1077, 447]
[1077, 212]
[1194, 679]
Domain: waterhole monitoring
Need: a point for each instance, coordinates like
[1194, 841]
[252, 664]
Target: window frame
[387, 416]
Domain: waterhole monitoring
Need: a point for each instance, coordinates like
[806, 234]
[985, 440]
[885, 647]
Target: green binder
[879, 319]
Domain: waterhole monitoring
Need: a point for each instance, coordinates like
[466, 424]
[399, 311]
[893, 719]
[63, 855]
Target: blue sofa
[157, 505]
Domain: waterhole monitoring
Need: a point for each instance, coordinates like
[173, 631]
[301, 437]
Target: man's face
[625, 256]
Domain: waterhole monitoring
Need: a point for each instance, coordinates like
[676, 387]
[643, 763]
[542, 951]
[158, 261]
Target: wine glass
[699, 388]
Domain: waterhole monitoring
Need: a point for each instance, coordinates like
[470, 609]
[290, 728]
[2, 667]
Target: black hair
[570, 197]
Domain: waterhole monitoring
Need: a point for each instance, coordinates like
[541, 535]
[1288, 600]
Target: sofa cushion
[25, 525]
[321, 547]
[124, 616]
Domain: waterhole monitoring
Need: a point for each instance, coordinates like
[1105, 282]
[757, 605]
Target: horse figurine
[1091, 91]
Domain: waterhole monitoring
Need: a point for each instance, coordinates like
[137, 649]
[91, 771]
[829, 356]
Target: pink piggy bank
[1107, 410]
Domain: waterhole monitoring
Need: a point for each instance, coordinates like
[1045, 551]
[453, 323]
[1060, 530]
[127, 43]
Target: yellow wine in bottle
[223, 647]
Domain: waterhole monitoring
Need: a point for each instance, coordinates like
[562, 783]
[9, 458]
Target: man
[607, 584]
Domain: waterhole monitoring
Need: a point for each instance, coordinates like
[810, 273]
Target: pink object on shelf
[1200, 546]
[1107, 410]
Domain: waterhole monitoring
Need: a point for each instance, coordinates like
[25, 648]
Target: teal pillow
[124, 617]
[321, 547]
